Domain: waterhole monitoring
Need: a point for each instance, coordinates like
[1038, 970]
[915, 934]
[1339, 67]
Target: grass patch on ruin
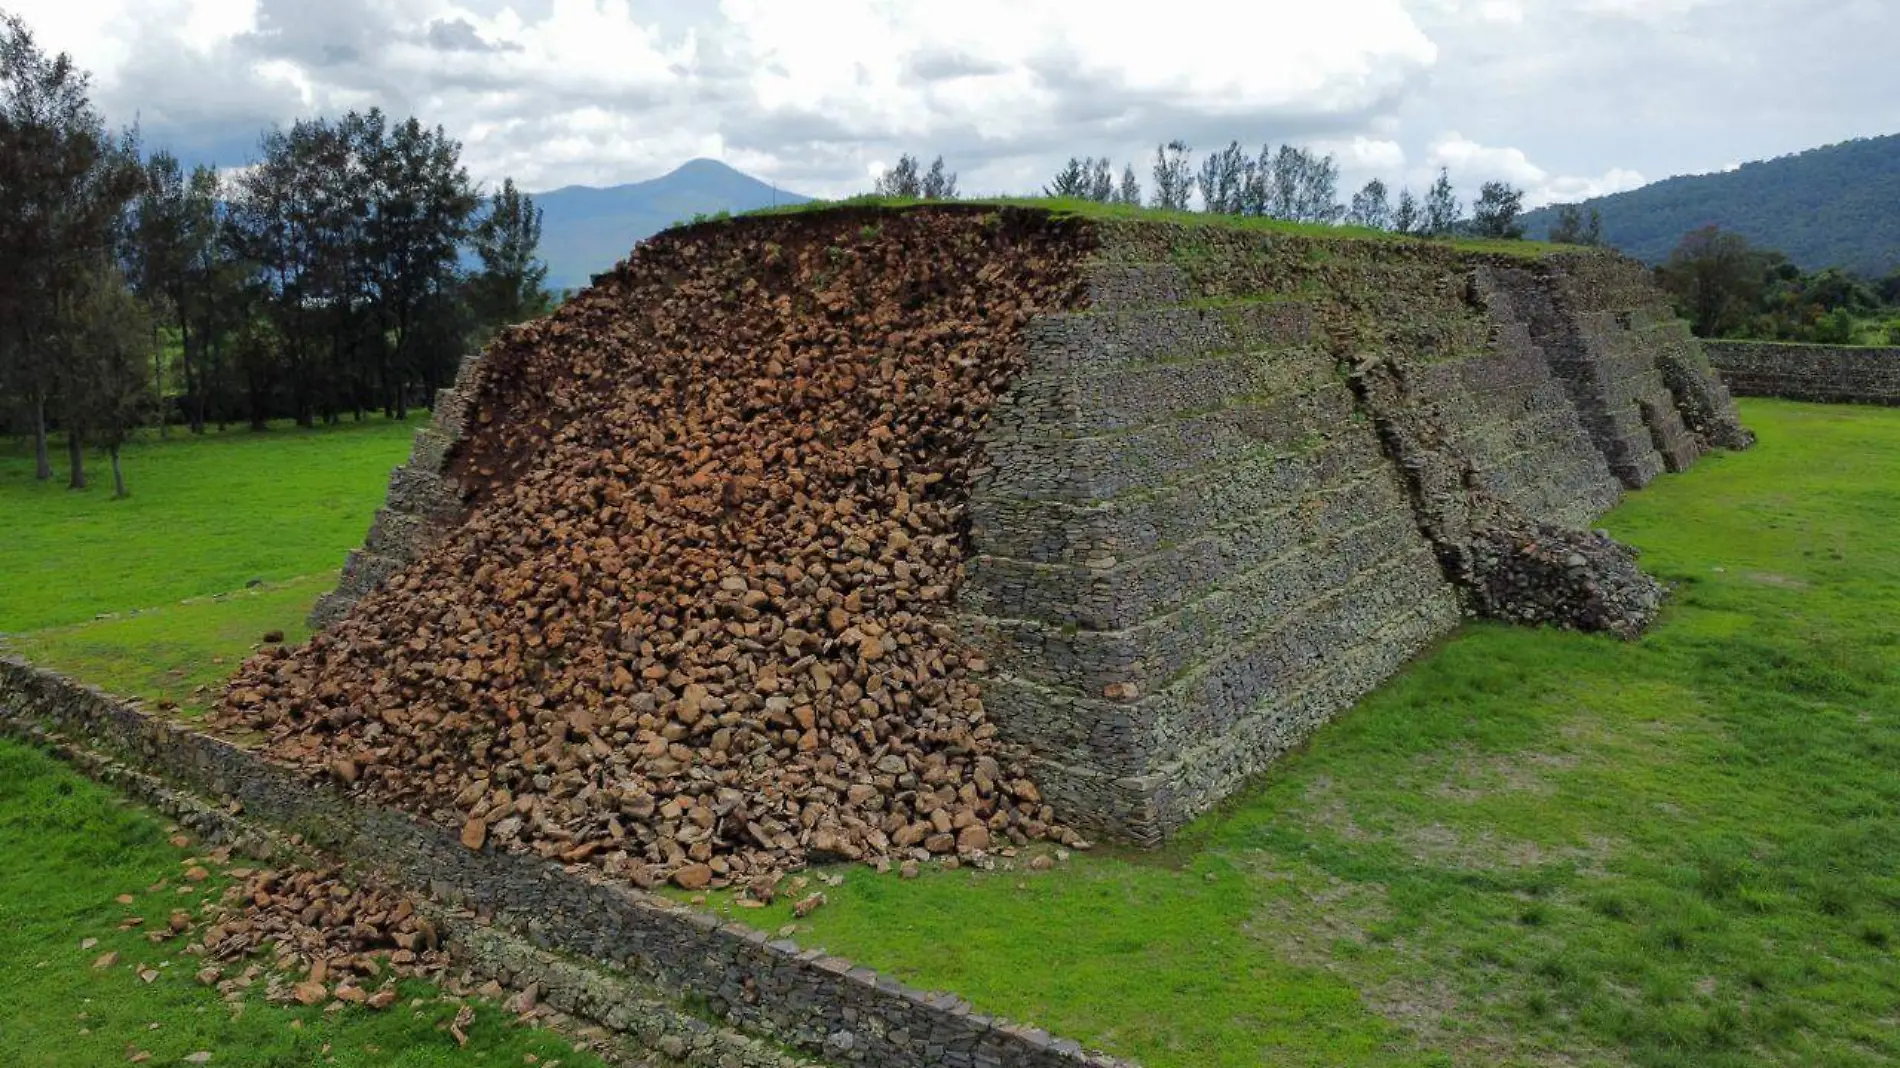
[1127, 213]
[71, 848]
[1532, 847]
[206, 515]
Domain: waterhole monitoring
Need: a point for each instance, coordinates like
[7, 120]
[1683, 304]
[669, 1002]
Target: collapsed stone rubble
[694, 626]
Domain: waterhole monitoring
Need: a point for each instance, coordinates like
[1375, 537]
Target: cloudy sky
[1565, 98]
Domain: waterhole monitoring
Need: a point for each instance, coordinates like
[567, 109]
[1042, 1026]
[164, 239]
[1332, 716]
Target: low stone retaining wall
[803, 999]
[1838, 374]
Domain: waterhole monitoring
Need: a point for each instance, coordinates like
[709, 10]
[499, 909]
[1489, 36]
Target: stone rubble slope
[695, 623]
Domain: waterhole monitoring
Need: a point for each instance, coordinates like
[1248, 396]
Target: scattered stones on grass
[340, 939]
[694, 626]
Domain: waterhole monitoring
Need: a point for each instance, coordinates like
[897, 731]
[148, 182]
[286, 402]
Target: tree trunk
[158, 382]
[397, 379]
[76, 460]
[260, 410]
[42, 457]
[118, 476]
[194, 391]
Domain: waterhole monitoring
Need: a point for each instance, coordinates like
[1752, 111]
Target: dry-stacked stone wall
[1834, 373]
[618, 939]
[422, 504]
[1256, 473]
[1610, 337]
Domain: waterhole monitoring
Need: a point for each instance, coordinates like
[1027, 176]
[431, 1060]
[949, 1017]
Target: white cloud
[1588, 93]
[1364, 156]
[597, 90]
[1471, 164]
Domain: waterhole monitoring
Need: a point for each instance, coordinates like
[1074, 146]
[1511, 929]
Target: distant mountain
[1837, 206]
[585, 231]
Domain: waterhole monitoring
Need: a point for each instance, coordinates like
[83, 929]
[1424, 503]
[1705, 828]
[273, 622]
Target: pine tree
[105, 337]
[64, 186]
[939, 184]
[1071, 181]
[1571, 229]
[1371, 207]
[1129, 191]
[1408, 215]
[1223, 180]
[509, 287]
[1173, 175]
[1442, 210]
[1495, 213]
[1101, 187]
[901, 180]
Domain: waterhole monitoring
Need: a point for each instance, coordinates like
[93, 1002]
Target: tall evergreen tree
[1173, 176]
[104, 336]
[1442, 210]
[1256, 192]
[938, 183]
[1070, 181]
[1083, 178]
[1319, 191]
[1101, 187]
[1571, 228]
[1371, 207]
[272, 227]
[1223, 180]
[416, 230]
[510, 287]
[1495, 213]
[174, 252]
[64, 184]
[901, 179]
[1129, 190]
[1408, 216]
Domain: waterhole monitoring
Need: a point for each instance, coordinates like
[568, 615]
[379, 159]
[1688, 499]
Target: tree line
[1290, 182]
[1727, 287]
[345, 271]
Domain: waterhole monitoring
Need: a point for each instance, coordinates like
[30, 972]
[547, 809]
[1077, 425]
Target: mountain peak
[586, 230]
[706, 165]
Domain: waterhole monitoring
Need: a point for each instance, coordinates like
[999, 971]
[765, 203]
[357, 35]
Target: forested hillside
[1837, 206]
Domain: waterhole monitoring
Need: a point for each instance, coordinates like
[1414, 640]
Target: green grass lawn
[1091, 209]
[1531, 848]
[71, 849]
[171, 565]
[177, 652]
[206, 515]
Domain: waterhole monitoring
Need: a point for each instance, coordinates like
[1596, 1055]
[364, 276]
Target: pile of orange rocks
[696, 623]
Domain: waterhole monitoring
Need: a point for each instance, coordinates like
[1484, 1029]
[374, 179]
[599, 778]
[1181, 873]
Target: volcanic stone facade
[1251, 474]
[1257, 473]
[1833, 373]
[422, 500]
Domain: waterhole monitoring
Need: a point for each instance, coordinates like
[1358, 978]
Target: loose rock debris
[695, 624]
[309, 936]
[345, 942]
